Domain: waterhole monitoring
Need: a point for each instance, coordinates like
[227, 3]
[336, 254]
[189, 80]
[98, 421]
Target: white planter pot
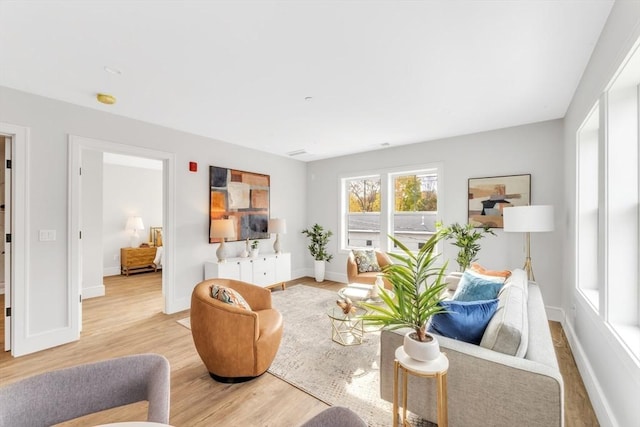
[422, 351]
[254, 253]
[318, 269]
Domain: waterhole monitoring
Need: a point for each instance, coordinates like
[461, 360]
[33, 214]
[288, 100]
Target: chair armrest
[352, 268]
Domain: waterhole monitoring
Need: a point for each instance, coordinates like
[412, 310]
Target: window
[608, 205]
[415, 200]
[363, 211]
[587, 268]
[401, 203]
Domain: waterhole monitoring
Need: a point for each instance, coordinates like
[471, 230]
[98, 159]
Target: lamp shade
[277, 226]
[528, 219]
[221, 228]
[134, 223]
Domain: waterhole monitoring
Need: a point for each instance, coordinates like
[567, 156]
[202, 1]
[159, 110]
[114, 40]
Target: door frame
[21, 340]
[76, 145]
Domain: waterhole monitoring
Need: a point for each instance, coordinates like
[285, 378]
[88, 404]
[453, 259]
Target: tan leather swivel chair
[368, 278]
[235, 344]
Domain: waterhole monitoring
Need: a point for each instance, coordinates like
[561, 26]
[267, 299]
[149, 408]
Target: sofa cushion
[229, 296]
[366, 260]
[463, 320]
[508, 330]
[476, 287]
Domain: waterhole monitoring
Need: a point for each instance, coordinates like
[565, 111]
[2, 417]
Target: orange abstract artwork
[242, 197]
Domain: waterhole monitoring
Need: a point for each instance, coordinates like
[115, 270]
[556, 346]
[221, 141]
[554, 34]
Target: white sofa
[511, 378]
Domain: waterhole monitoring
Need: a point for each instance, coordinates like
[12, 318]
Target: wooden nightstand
[137, 260]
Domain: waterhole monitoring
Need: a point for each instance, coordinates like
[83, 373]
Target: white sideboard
[266, 270]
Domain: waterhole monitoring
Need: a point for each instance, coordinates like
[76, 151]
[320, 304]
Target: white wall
[611, 375]
[128, 191]
[535, 149]
[50, 122]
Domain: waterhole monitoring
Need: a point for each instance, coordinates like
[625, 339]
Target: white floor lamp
[528, 219]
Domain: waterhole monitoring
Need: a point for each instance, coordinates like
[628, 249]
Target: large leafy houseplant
[319, 240]
[466, 238]
[418, 285]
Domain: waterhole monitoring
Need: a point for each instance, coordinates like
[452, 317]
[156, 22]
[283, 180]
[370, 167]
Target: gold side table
[346, 329]
[433, 369]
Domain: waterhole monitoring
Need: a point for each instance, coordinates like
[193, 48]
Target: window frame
[387, 205]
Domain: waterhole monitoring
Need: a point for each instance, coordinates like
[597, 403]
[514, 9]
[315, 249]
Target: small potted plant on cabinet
[254, 249]
[318, 248]
[418, 285]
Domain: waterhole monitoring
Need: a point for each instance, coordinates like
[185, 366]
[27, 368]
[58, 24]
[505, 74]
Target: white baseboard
[93, 291]
[596, 395]
[555, 314]
[111, 271]
[328, 275]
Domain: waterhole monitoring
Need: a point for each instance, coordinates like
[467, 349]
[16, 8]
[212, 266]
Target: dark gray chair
[335, 416]
[57, 396]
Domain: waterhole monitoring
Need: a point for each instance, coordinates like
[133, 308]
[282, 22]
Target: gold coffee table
[346, 329]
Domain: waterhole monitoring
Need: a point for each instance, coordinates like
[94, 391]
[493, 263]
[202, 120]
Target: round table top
[336, 313]
[439, 365]
[360, 295]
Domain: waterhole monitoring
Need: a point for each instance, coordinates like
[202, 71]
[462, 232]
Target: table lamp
[528, 219]
[134, 223]
[277, 226]
[222, 229]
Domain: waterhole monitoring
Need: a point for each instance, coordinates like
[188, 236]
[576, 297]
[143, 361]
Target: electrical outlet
[116, 257]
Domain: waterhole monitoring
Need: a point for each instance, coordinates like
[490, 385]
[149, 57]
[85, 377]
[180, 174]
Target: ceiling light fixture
[105, 98]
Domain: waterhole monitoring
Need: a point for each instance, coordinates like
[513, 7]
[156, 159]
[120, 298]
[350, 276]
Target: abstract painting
[488, 196]
[243, 197]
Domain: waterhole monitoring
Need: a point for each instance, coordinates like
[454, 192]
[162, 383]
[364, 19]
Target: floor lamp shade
[528, 219]
[277, 226]
[222, 229]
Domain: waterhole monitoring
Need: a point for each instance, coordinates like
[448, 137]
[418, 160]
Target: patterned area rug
[311, 361]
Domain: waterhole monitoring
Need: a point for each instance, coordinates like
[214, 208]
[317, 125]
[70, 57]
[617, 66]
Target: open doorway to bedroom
[122, 242]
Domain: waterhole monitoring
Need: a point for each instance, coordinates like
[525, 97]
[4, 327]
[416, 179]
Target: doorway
[79, 146]
[5, 233]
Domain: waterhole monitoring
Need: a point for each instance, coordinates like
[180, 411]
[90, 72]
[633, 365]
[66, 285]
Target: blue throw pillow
[473, 287]
[464, 320]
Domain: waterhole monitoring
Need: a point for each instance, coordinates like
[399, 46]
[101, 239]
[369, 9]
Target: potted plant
[318, 248]
[466, 238]
[418, 285]
[254, 248]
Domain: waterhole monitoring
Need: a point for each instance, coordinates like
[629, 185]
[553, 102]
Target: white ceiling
[394, 72]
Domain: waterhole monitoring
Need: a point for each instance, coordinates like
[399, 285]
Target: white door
[5, 204]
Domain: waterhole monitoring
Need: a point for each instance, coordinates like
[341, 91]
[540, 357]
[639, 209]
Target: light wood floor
[129, 320]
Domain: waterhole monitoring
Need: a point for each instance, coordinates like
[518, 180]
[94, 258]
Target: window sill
[593, 298]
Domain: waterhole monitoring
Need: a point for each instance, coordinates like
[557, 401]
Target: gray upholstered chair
[335, 416]
[57, 396]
